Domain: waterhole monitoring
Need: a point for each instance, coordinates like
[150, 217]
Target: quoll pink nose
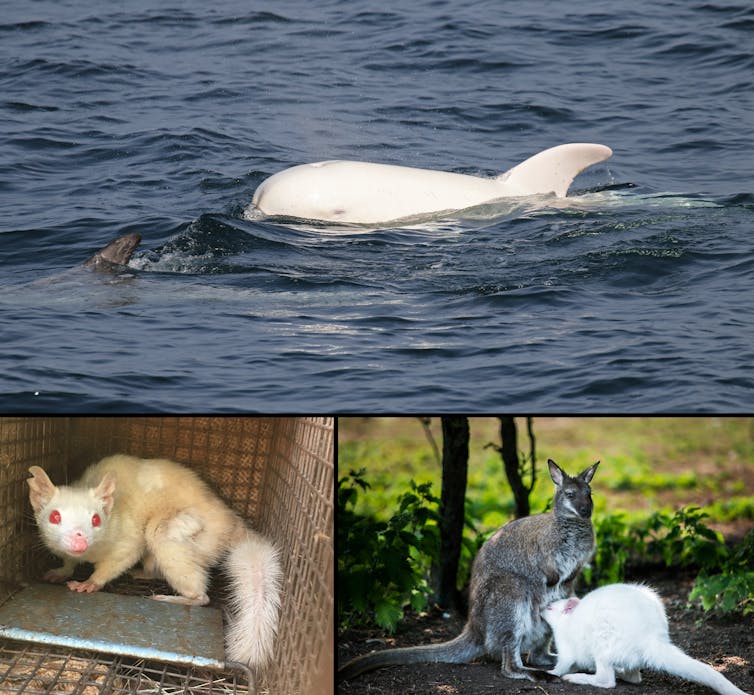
[78, 543]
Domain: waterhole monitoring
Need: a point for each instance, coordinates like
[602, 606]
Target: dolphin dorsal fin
[117, 252]
[552, 170]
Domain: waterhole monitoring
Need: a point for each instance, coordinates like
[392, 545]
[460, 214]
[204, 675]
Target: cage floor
[128, 625]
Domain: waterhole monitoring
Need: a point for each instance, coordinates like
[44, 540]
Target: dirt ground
[725, 643]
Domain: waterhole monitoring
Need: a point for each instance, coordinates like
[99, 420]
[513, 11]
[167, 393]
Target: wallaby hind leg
[512, 666]
[603, 677]
[541, 658]
[506, 609]
[537, 643]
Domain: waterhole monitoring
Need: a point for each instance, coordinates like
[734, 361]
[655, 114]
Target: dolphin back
[370, 193]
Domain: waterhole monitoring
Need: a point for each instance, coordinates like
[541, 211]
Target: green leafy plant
[383, 565]
[725, 582]
[726, 592]
[732, 588]
[682, 539]
[615, 547]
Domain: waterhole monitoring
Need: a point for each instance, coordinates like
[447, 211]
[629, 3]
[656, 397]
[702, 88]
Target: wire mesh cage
[275, 472]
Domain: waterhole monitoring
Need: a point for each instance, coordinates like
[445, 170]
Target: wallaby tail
[460, 650]
[669, 658]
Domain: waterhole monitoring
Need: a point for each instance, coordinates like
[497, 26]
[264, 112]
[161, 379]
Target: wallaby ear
[556, 472]
[570, 605]
[588, 474]
[106, 490]
[41, 489]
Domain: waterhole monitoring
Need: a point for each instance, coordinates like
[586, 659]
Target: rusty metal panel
[129, 625]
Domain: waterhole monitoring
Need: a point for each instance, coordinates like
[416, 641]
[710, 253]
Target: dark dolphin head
[117, 252]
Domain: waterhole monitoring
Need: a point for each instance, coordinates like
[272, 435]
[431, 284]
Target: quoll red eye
[96, 521]
[54, 516]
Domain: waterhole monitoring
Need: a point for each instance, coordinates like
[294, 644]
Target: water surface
[635, 296]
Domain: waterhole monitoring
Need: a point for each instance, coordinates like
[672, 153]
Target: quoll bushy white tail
[253, 566]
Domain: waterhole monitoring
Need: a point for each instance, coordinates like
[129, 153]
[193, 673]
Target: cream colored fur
[162, 514]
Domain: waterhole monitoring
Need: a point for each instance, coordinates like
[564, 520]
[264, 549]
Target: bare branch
[426, 421]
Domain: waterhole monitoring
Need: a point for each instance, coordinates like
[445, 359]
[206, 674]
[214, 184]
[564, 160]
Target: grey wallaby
[523, 567]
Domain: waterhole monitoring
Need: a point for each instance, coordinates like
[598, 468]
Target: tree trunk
[455, 461]
[509, 453]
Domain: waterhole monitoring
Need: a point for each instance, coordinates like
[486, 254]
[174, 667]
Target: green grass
[648, 464]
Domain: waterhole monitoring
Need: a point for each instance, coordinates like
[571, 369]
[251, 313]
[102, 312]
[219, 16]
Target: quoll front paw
[84, 587]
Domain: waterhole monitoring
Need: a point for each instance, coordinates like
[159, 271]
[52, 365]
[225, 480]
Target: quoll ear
[571, 605]
[41, 489]
[106, 491]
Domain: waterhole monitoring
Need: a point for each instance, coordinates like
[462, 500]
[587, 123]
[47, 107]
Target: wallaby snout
[585, 509]
[584, 506]
[575, 503]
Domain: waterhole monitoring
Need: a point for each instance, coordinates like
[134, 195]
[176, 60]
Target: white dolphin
[367, 193]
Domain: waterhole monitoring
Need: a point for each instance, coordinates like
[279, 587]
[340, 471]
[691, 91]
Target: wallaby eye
[96, 521]
[54, 516]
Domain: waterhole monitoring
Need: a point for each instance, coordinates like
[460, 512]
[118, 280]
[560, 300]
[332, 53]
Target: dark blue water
[635, 296]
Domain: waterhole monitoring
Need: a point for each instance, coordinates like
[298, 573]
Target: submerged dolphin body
[117, 253]
[111, 260]
[366, 193]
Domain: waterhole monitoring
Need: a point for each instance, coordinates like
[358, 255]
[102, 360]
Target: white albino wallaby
[617, 630]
